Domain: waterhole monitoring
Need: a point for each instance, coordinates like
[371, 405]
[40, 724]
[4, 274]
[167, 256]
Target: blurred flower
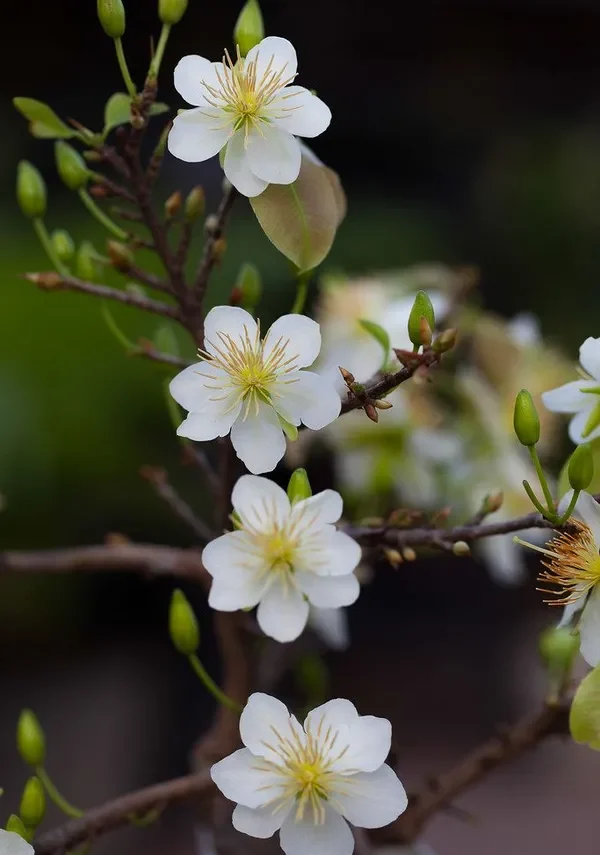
[284, 558]
[331, 625]
[247, 385]
[13, 844]
[248, 108]
[309, 781]
[581, 397]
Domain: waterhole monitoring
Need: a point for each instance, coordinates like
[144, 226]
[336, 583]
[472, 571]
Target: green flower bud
[87, 266]
[195, 204]
[299, 486]
[120, 255]
[31, 190]
[422, 308]
[581, 468]
[558, 648]
[64, 245]
[249, 29]
[183, 626]
[70, 165]
[112, 17]
[171, 11]
[33, 803]
[31, 742]
[526, 420]
[249, 286]
[15, 825]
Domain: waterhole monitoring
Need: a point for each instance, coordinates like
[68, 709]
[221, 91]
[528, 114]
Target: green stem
[534, 499]
[99, 215]
[301, 292]
[55, 796]
[160, 50]
[124, 69]
[562, 520]
[46, 241]
[212, 687]
[542, 479]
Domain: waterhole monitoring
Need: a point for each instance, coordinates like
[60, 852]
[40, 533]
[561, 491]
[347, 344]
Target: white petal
[578, 424]
[306, 397]
[329, 592]
[228, 322]
[568, 398]
[258, 440]
[187, 78]
[302, 335]
[273, 155]
[237, 168]
[301, 113]
[322, 508]
[260, 822]
[589, 357]
[240, 780]
[332, 553]
[587, 510]
[570, 611]
[373, 799]
[282, 613]
[260, 502]
[275, 54]
[215, 421]
[262, 716]
[197, 136]
[333, 837]
[193, 387]
[370, 741]
[331, 625]
[337, 714]
[589, 628]
[13, 844]
[238, 574]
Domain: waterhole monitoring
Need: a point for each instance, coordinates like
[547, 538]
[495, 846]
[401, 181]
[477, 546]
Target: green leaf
[584, 719]
[117, 111]
[44, 123]
[165, 340]
[380, 336]
[159, 108]
[302, 218]
[290, 430]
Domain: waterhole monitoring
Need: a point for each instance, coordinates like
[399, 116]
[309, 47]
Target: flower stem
[99, 215]
[543, 482]
[210, 684]
[124, 69]
[55, 796]
[46, 241]
[562, 520]
[534, 499]
[160, 50]
[301, 292]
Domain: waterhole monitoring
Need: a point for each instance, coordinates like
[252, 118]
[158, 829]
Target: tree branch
[381, 385]
[157, 477]
[215, 228]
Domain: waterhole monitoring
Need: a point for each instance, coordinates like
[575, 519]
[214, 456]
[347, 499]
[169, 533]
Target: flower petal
[187, 78]
[332, 553]
[568, 398]
[303, 837]
[228, 322]
[322, 508]
[238, 574]
[197, 135]
[13, 844]
[302, 336]
[274, 155]
[589, 629]
[263, 717]
[587, 510]
[589, 357]
[193, 387]
[328, 592]
[260, 502]
[258, 822]
[242, 779]
[336, 714]
[213, 422]
[301, 113]
[331, 625]
[578, 424]
[276, 55]
[372, 799]
[237, 168]
[282, 613]
[370, 741]
[308, 398]
[258, 440]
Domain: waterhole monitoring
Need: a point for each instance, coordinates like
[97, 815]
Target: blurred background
[464, 133]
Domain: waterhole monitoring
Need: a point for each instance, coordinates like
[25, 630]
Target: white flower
[245, 384]
[249, 108]
[283, 557]
[581, 397]
[13, 844]
[310, 781]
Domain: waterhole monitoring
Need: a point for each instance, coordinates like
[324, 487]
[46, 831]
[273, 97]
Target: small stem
[210, 684]
[562, 520]
[534, 499]
[160, 50]
[46, 241]
[99, 215]
[301, 292]
[55, 796]
[124, 69]
[543, 482]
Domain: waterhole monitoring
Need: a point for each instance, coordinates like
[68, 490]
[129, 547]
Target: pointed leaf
[380, 336]
[44, 123]
[117, 111]
[584, 720]
[159, 108]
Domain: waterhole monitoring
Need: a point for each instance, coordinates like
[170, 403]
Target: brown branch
[140, 275]
[215, 227]
[147, 350]
[157, 477]
[381, 385]
[202, 463]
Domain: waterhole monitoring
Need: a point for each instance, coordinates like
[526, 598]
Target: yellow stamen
[572, 565]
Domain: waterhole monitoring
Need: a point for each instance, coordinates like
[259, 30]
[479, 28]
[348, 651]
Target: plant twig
[214, 227]
[157, 477]
[381, 385]
[146, 349]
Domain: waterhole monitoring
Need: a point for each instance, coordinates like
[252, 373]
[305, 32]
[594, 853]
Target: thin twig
[215, 227]
[381, 385]
[157, 477]
[201, 462]
[132, 271]
[147, 350]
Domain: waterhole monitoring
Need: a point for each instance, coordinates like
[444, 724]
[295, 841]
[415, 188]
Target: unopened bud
[425, 332]
[211, 224]
[173, 205]
[249, 29]
[171, 11]
[219, 248]
[446, 340]
[111, 14]
[183, 625]
[299, 486]
[249, 286]
[409, 553]
[581, 467]
[70, 165]
[31, 190]
[393, 558]
[558, 648]
[195, 204]
[63, 244]
[86, 262]
[371, 412]
[15, 824]
[383, 405]
[31, 743]
[492, 503]
[422, 308]
[33, 803]
[120, 255]
[526, 420]
[461, 548]
[347, 375]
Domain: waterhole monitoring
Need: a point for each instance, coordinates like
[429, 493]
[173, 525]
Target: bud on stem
[111, 14]
[299, 486]
[31, 190]
[70, 165]
[183, 625]
[33, 803]
[526, 420]
[171, 11]
[421, 321]
[31, 743]
[581, 468]
[249, 29]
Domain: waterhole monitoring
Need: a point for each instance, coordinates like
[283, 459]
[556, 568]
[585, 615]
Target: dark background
[463, 133]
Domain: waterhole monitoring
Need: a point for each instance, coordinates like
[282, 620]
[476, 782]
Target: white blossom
[581, 397]
[309, 781]
[13, 844]
[246, 385]
[283, 558]
[249, 108]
